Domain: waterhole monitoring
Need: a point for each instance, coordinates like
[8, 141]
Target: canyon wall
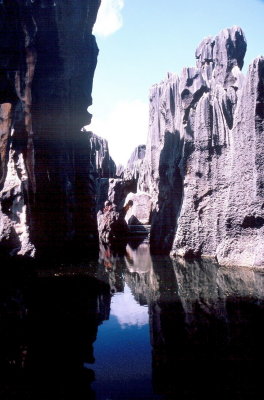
[47, 60]
[204, 156]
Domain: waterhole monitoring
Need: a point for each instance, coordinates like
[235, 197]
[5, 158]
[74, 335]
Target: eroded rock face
[104, 164]
[204, 156]
[111, 224]
[48, 57]
[140, 211]
[134, 165]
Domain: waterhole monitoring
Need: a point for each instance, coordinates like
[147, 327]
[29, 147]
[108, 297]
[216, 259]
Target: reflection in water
[123, 352]
[46, 336]
[207, 331]
[195, 329]
[139, 259]
[127, 311]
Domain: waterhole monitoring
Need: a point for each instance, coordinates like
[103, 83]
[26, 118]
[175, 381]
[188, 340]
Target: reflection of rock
[111, 265]
[139, 259]
[206, 318]
[139, 274]
[45, 349]
[135, 263]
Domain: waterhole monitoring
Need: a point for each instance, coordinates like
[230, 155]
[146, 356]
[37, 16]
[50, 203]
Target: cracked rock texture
[47, 173]
[104, 164]
[204, 156]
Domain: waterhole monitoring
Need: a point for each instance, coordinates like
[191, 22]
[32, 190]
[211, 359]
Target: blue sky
[140, 41]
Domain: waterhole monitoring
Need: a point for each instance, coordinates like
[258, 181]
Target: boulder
[140, 211]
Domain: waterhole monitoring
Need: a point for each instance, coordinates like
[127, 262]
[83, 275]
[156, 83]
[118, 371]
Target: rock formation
[47, 60]
[126, 206]
[204, 156]
[114, 198]
[103, 162]
[111, 223]
[134, 164]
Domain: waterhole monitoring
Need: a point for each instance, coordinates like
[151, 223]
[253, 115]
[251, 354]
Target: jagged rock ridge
[204, 156]
[47, 60]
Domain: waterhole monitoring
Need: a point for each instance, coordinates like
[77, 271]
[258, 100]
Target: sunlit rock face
[48, 57]
[134, 165]
[104, 164]
[204, 156]
[161, 177]
[140, 211]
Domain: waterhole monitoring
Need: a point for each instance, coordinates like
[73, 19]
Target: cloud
[127, 311]
[109, 18]
[125, 128]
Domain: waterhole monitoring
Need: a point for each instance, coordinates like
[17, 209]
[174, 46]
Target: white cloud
[109, 18]
[125, 128]
[127, 310]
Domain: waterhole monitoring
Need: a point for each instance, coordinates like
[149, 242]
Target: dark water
[132, 326]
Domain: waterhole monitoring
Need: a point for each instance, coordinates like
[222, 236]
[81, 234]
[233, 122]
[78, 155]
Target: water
[122, 351]
[132, 326]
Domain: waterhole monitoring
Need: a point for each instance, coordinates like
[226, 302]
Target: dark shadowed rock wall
[46, 342]
[205, 320]
[48, 57]
[204, 156]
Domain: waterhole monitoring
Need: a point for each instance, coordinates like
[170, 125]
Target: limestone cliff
[103, 162]
[47, 60]
[204, 156]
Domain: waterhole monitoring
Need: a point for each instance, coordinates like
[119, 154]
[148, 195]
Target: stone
[114, 190]
[140, 212]
[47, 177]
[203, 167]
[104, 164]
[119, 193]
[111, 223]
[134, 164]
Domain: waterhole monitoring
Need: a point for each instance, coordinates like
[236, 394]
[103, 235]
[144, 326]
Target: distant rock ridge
[204, 162]
[116, 203]
[103, 162]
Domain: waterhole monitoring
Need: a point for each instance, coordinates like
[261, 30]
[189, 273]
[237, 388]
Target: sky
[140, 41]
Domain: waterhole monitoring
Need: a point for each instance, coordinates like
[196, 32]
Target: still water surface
[123, 351]
[132, 326]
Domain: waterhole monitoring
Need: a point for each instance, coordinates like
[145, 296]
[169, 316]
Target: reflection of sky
[122, 352]
[127, 311]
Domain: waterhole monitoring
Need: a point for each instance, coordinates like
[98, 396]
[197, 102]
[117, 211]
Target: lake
[132, 326]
